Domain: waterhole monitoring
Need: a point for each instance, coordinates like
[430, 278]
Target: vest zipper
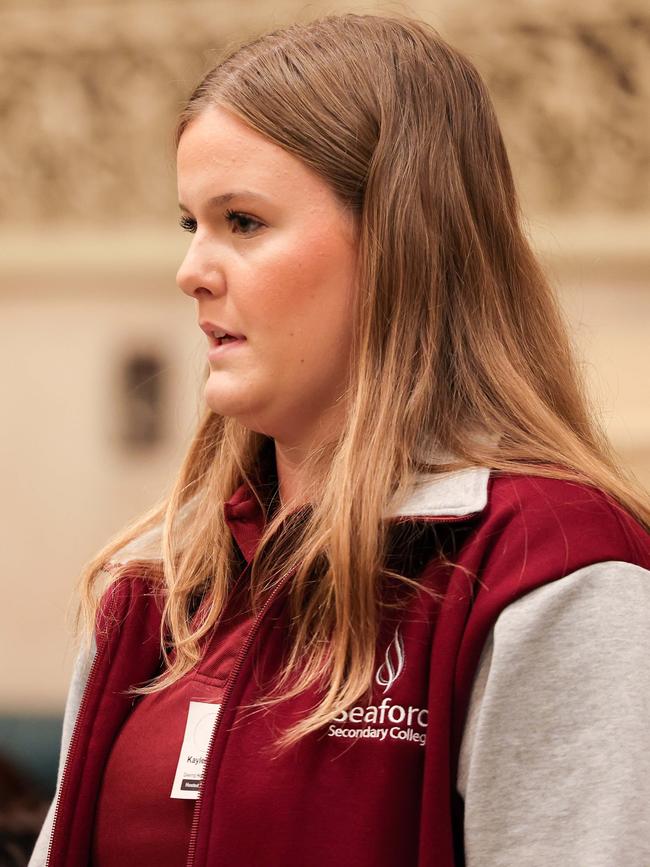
[226, 696]
[100, 647]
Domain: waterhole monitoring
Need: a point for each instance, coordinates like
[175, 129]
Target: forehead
[217, 147]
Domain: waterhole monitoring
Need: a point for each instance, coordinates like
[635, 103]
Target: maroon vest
[376, 786]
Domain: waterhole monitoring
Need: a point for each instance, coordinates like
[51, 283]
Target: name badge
[201, 719]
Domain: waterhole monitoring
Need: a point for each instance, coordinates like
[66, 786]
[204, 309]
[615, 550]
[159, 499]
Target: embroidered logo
[393, 663]
[384, 721]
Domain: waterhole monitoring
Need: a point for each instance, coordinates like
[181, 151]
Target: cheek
[306, 296]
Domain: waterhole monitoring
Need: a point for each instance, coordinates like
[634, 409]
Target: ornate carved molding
[89, 93]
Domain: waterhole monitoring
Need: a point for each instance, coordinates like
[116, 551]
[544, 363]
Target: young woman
[394, 610]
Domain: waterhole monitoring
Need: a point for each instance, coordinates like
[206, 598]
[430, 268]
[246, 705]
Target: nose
[197, 275]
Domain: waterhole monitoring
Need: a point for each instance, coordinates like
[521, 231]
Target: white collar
[452, 493]
[458, 492]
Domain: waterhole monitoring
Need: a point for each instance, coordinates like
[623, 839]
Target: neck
[293, 481]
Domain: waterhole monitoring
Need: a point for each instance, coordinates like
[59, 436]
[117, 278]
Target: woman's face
[273, 262]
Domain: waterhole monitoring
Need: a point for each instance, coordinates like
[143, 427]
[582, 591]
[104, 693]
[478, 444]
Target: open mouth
[218, 336]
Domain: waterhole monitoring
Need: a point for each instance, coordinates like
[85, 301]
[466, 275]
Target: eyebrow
[217, 201]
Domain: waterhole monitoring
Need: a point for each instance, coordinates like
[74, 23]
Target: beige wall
[89, 249]
[70, 482]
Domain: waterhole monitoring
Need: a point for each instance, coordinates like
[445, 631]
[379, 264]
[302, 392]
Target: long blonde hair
[456, 331]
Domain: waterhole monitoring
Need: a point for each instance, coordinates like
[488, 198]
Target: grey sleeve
[78, 682]
[555, 758]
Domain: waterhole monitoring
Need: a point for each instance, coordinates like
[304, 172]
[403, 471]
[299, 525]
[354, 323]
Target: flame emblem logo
[393, 663]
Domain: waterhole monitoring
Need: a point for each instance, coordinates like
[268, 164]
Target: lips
[215, 331]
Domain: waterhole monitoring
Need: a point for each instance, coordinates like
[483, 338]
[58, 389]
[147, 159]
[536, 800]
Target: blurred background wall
[100, 355]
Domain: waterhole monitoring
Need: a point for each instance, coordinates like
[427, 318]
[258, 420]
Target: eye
[187, 224]
[237, 218]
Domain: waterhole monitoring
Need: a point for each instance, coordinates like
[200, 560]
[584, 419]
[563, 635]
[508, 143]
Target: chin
[231, 403]
[222, 400]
